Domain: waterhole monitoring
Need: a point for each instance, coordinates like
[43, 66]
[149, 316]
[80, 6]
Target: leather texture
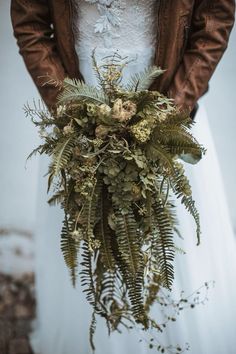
[192, 37]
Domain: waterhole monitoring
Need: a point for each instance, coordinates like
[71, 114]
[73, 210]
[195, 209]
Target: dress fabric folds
[63, 315]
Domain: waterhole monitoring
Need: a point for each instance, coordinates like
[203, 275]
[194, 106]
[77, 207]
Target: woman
[188, 39]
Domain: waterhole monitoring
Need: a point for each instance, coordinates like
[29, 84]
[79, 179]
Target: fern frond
[135, 288]
[104, 287]
[127, 238]
[164, 247]
[170, 208]
[62, 154]
[69, 249]
[57, 198]
[176, 133]
[92, 330]
[97, 72]
[181, 187]
[179, 181]
[76, 90]
[103, 231]
[86, 274]
[37, 150]
[180, 141]
[143, 80]
[108, 287]
[89, 214]
[147, 220]
[40, 111]
[131, 265]
[189, 204]
[156, 152]
[46, 148]
[179, 118]
[194, 153]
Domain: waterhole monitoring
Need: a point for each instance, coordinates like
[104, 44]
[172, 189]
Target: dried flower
[94, 244]
[141, 131]
[101, 131]
[104, 110]
[136, 192]
[61, 109]
[162, 116]
[68, 129]
[97, 142]
[91, 109]
[117, 108]
[123, 111]
[130, 107]
[77, 235]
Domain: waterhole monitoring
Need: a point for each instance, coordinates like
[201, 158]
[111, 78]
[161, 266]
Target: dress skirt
[63, 315]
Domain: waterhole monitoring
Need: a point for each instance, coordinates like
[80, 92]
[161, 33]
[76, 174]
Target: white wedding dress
[63, 315]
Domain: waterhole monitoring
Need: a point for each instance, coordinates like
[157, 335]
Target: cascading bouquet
[115, 161]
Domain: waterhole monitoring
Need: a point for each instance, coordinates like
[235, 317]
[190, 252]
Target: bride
[187, 38]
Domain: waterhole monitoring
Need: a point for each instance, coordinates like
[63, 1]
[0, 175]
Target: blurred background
[18, 185]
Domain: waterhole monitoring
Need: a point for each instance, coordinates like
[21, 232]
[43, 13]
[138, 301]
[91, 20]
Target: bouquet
[116, 154]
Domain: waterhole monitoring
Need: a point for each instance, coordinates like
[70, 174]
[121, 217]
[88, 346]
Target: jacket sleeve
[212, 22]
[34, 33]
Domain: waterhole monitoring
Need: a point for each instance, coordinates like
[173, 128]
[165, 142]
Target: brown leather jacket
[192, 37]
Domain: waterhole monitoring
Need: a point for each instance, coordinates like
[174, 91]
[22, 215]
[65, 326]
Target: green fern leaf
[147, 219]
[97, 72]
[179, 119]
[189, 204]
[164, 247]
[108, 287]
[62, 154]
[156, 152]
[92, 330]
[173, 133]
[35, 151]
[131, 265]
[69, 249]
[135, 288]
[181, 187]
[103, 231]
[57, 198]
[76, 90]
[86, 274]
[127, 238]
[143, 80]
[183, 143]
[89, 215]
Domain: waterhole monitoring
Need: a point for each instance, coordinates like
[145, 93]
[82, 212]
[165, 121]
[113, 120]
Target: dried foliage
[116, 159]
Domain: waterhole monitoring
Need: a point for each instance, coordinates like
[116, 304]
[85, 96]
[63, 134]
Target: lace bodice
[127, 26]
